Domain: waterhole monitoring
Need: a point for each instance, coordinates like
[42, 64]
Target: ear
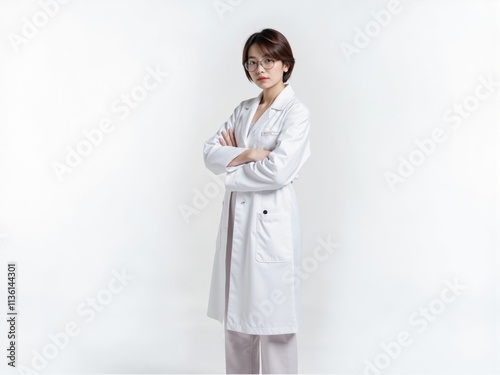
[285, 67]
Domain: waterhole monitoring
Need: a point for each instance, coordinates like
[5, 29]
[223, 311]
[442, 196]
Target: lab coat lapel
[279, 104]
[250, 110]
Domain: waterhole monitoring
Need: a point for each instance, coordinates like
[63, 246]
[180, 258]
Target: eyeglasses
[266, 63]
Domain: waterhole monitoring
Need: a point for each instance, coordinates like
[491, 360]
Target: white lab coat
[264, 294]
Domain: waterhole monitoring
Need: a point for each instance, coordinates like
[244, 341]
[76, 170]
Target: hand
[228, 139]
[259, 154]
[249, 155]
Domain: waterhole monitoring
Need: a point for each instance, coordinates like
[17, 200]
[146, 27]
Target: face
[265, 78]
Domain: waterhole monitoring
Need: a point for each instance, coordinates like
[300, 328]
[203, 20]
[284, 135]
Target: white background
[123, 207]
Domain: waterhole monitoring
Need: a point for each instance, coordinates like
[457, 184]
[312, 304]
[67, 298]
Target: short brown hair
[273, 44]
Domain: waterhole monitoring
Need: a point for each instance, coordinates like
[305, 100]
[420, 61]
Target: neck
[268, 95]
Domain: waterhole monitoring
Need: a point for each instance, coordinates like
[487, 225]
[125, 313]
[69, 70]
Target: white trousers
[278, 353]
[244, 351]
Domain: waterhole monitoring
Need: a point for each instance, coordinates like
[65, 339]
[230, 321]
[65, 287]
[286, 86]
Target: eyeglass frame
[259, 63]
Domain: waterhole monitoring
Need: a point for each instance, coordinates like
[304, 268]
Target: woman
[255, 288]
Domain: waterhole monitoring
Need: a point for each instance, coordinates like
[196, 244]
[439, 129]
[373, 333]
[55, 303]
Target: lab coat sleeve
[283, 163]
[216, 156]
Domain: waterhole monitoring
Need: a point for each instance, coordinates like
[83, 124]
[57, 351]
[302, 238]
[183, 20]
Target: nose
[260, 68]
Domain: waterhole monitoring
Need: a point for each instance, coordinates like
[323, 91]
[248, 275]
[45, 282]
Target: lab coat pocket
[268, 140]
[274, 237]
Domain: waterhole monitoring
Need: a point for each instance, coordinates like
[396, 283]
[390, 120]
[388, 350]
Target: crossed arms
[250, 154]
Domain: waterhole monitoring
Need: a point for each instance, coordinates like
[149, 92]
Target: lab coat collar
[281, 100]
[279, 104]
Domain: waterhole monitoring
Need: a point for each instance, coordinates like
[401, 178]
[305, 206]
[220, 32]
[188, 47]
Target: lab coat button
[264, 212]
[243, 202]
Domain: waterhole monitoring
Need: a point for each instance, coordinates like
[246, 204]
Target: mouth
[262, 79]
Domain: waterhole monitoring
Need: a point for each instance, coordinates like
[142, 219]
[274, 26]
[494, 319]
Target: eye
[268, 61]
[252, 62]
